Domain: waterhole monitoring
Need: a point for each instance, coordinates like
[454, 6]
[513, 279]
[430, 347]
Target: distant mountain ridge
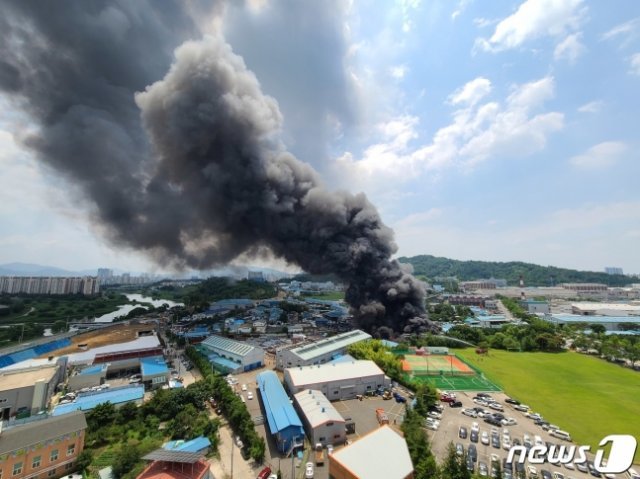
[534, 275]
[29, 269]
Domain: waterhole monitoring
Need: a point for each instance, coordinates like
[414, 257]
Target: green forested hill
[534, 275]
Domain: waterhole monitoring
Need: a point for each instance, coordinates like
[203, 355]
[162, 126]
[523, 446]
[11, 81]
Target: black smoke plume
[202, 178]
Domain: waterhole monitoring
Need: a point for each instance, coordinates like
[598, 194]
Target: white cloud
[472, 92]
[627, 31]
[460, 8]
[634, 61]
[532, 20]
[399, 71]
[600, 156]
[484, 22]
[406, 9]
[591, 107]
[477, 132]
[570, 48]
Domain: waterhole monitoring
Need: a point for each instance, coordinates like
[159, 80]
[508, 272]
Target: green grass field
[584, 395]
[331, 296]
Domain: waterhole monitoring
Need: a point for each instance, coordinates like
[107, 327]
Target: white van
[564, 435]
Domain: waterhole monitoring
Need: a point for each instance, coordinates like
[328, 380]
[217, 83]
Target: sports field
[434, 364]
[584, 395]
[445, 372]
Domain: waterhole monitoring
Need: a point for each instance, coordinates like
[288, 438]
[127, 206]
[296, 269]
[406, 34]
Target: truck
[382, 416]
[319, 454]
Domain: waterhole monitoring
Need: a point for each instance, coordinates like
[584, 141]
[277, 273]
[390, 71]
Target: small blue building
[284, 424]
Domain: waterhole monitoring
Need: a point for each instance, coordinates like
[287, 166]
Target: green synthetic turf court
[584, 395]
[445, 372]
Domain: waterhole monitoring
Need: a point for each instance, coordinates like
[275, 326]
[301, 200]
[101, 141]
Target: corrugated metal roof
[334, 343]
[228, 345]
[317, 408]
[152, 366]
[35, 432]
[173, 456]
[302, 375]
[194, 445]
[279, 411]
[381, 454]
[144, 342]
[88, 401]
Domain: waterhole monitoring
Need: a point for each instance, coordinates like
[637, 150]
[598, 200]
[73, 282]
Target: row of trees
[538, 335]
[613, 348]
[233, 409]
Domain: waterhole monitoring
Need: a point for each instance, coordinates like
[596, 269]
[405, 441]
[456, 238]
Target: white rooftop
[302, 375]
[229, 345]
[30, 363]
[317, 408]
[607, 307]
[87, 357]
[327, 345]
[381, 454]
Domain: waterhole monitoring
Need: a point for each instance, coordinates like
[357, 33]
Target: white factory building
[319, 352]
[337, 381]
[232, 356]
[381, 454]
[322, 422]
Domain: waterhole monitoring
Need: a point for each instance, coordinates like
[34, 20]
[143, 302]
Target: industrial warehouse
[284, 424]
[381, 454]
[319, 352]
[337, 381]
[322, 422]
[229, 356]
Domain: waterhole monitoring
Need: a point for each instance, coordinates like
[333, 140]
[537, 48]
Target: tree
[101, 415]
[84, 460]
[257, 450]
[597, 328]
[59, 326]
[126, 459]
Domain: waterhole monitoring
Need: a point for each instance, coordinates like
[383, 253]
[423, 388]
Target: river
[125, 309]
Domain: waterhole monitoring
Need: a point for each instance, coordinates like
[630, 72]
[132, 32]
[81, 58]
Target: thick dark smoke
[202, 178]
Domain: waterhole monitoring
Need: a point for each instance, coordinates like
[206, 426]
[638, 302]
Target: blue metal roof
[153, 366]
[194, 445]
[342, 358]
[88, 401]
[279, 410]
[93, 369]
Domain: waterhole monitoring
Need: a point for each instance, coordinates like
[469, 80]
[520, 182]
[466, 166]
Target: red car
[445, 398]
[265, 473]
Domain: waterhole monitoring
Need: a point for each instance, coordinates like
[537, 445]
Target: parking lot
[361, 412]
[452, 419]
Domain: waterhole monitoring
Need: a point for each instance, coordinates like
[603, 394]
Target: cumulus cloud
[570, 49]
[472, 92]
[591, 107]
[477, 132]
[534, 19]
[600, 156]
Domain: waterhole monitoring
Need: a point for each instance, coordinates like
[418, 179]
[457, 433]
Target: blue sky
[482, 130]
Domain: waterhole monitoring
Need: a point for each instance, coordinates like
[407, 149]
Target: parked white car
[308, 472]
[509, 421]
[469, 412]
